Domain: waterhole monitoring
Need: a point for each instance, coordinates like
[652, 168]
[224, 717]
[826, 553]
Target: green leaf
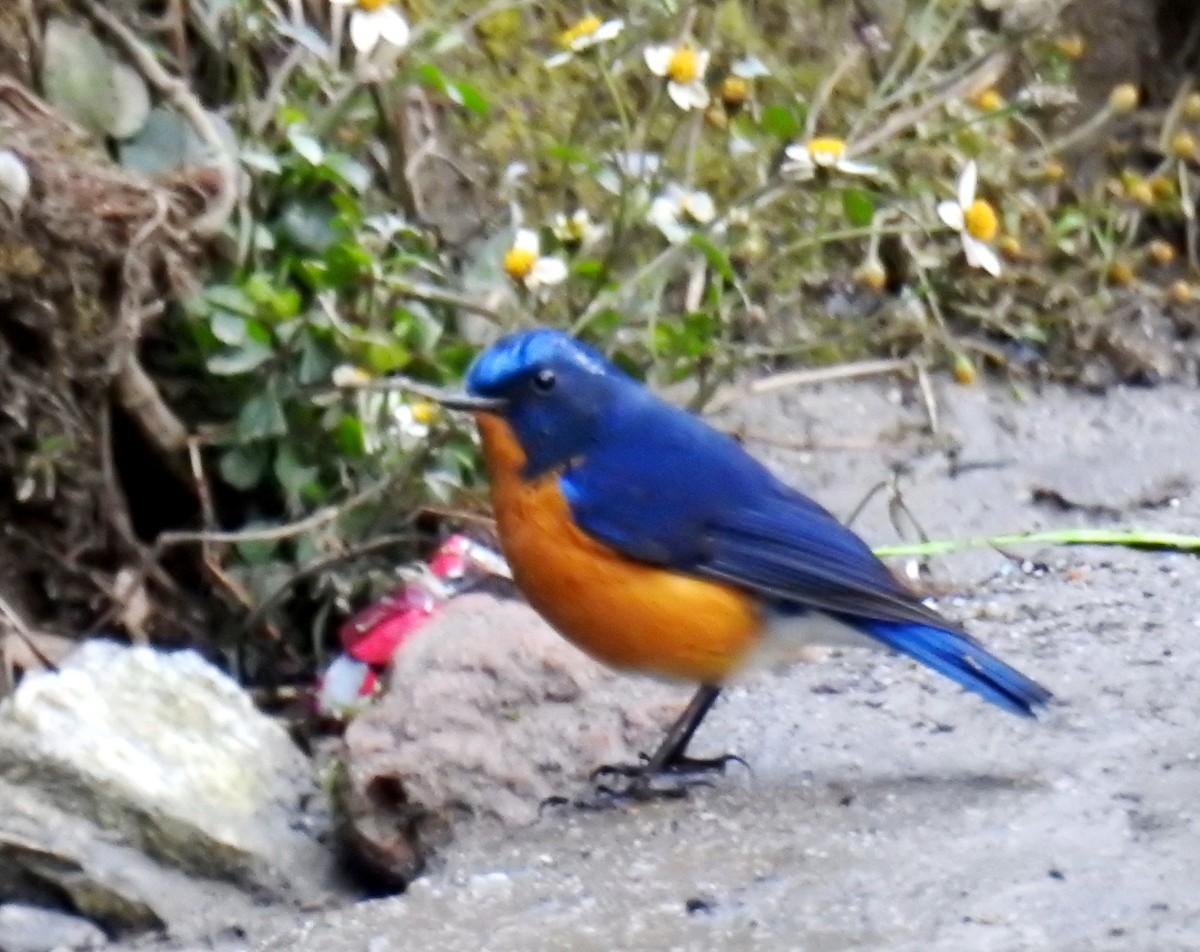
[228, 328]
[239, 360]
[83, 79]
[243, 466]
[348, 435]
[309, 224]
[716, 257]
[296, 479]
[229, 298]
[781, 122]
[858, 207]
[166, 143]
[306, 145]
[352, 172]
[315, 365]
[472, 98]
[385, 355]
[261, 417]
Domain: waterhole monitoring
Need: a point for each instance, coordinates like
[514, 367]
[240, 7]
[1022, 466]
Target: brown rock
[487, 713]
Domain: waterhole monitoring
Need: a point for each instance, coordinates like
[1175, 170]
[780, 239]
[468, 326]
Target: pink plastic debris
[371, 637]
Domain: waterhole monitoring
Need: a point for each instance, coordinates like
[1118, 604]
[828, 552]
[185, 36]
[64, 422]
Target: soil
[883, 808]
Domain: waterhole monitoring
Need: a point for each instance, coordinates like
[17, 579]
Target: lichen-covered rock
[487, 713]
[129, 769]
[32, 929]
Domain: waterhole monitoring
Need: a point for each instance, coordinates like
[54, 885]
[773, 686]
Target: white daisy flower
[583, 35]
[803, 160]
[677, 209]
[375, 20]
[524, 262]
[975, 220]
[684, 68]
[576, 228]
[393, 419]
[413, 418]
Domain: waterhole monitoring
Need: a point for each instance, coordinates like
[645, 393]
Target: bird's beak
[464, 401]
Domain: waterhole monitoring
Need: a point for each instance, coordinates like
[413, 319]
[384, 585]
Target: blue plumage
[659, 485]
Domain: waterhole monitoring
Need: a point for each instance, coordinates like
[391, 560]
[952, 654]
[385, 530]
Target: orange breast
[624, 613]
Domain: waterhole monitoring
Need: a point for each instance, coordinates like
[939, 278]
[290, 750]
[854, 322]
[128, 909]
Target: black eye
[544, 381]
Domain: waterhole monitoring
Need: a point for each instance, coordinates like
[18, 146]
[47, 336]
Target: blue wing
[690, 498]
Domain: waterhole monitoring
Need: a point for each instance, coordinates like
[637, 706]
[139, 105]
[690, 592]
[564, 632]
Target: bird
[658, 545]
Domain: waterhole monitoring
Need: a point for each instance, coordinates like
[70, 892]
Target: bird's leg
[670, 757]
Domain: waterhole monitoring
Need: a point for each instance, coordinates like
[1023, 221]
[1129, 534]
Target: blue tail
[962, 659]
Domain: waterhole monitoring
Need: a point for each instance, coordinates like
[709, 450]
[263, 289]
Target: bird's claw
[677, 766]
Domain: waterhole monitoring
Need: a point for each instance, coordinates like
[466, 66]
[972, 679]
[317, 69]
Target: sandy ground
[885, 809]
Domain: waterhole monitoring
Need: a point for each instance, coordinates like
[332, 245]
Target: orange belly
[624, 613]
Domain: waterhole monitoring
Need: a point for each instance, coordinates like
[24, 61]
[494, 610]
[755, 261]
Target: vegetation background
[224, 223]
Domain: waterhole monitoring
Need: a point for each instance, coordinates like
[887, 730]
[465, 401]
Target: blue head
[554, 391]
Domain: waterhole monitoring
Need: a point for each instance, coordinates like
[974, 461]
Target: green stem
[1133, 538]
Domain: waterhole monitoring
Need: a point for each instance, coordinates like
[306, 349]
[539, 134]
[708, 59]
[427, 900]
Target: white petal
[798, 162]
[966, 185]
[393, 27]
[347, 375]
[951, 213]
[364, 31]
[740, 146]
[664, 211]
[693, 95]
[658, 58]
[608, 30]
[850, 167]
[547, 271]
[638, 165]
[526, 239]
[674, 232]
[702, 58]
[700, 207]
[344, 3]
[750, 67]
[558, 59]
[980, 255]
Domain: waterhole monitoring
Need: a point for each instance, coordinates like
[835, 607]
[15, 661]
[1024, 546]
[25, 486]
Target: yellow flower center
[424, 412]
[518, 262]
[1123, 98]
[1183, 145]
[577, 31]
[734, 90]
[371, 5]
[1071, 46]
[826, 151]
[684, 65]
[575, 228]
[981, 220]
[989, 100]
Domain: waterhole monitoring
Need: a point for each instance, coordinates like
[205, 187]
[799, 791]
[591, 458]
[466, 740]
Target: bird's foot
[641, 788]
[681, 766]
[641, 784]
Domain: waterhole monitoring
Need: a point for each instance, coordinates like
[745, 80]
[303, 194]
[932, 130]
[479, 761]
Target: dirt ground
[885, 809]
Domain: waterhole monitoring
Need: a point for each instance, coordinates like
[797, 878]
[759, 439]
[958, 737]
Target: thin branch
[435, 295]
[381, 544]
[288, 530]
[810, 376]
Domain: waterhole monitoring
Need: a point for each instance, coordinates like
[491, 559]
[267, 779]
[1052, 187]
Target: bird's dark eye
[544, 380]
